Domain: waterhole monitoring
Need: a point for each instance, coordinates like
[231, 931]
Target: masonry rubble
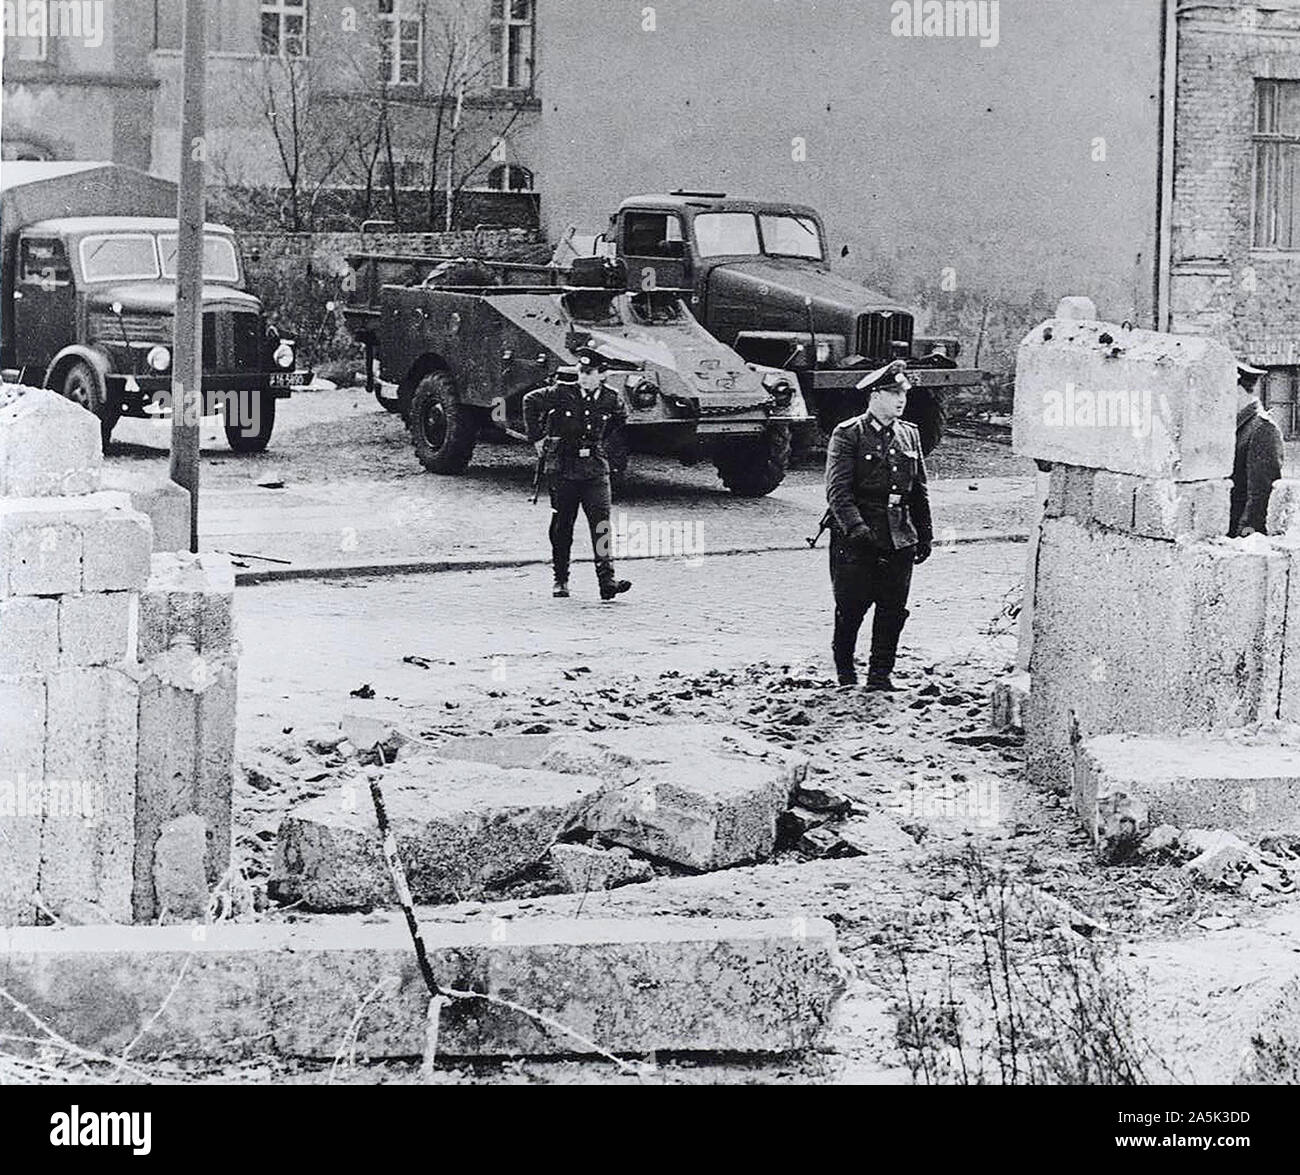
[117, 670]
[1148, 623]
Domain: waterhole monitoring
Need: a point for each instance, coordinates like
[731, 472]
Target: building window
[284, 28]
[401, 43]
[1277, 161]
[512, 43]
[510, 177]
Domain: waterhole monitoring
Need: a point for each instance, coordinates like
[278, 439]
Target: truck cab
[760, 281]
[89, 300]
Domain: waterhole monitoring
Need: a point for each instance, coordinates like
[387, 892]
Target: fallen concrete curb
[381, 567]
[301, 989]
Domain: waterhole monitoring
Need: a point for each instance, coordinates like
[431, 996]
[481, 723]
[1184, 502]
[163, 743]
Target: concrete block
[631, 985]
[1185, 509]
[87, 833]
[98, 629]
[117, 552]
[1133, 634]
[22, 776]
[43, 541]
[186, 760]
[1096, 395]
[1075, 492]
[167, 506]
[702, 795]
[29, 634]
[190, 596]
[179, 882]
[1284, 508]
[584, 868]
[461, 827]
[49, 446]
[1245, 781]
[1112, 500]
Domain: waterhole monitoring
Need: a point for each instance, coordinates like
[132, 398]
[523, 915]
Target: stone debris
[585, 868]
[375, 741]
[462, 828]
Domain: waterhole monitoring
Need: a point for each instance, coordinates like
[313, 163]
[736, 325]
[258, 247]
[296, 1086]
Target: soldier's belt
[891, 500]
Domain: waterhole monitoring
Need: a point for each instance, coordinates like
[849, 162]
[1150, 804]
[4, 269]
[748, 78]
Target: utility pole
[187, 354]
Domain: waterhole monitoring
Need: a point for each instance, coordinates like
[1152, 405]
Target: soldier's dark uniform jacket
[876, 478]
[578, 422]
[1257, 465]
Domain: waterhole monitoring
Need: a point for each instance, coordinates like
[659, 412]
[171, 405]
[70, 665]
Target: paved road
[352, 493]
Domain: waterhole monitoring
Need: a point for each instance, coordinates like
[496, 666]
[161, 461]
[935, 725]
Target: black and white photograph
[691, 543]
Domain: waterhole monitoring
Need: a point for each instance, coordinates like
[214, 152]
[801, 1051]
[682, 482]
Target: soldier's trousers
[859, 580]
[593, 496]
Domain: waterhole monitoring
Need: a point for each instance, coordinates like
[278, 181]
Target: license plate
[282, 379]
[584, 452]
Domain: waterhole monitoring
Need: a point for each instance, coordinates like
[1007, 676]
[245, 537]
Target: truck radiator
[877, 331]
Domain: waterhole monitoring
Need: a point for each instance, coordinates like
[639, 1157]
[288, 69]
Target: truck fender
[97, 359]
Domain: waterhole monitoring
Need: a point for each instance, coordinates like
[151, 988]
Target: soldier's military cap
[889, 375]
[1247, 374]
[589, 357]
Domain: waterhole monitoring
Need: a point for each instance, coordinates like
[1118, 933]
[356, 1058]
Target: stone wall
[117, 686]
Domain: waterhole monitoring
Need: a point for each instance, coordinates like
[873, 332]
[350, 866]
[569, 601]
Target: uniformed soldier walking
[568, 421]
[880, 523]
[1257, 463]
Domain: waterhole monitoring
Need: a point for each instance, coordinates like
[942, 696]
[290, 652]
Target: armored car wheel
[82, 385]
[250, 420]
[444, 429]
[753, 466]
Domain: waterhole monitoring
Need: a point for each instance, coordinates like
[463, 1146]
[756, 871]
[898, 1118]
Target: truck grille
[877, 331]
[232, 340]
[136, 328]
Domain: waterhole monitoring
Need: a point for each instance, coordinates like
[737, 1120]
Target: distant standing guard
[1258, 461]
[880, 523]
[568, 421]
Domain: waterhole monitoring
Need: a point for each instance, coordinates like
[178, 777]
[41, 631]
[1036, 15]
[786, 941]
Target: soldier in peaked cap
[568, 421]
[880, 523]
[1257, 463]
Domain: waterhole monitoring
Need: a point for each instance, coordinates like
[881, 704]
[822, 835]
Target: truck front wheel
[753, 466]
[250, 420]
[82, 385]
[444, 429]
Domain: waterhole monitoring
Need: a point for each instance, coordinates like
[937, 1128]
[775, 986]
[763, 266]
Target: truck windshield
[219, 261]
[790, 236]
[119, 257]
[721, 234]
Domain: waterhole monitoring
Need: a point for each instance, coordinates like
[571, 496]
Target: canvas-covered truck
[87, 298]
[760, 281]
[453, 344]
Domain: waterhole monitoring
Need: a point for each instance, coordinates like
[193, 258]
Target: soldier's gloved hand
[861, 537]
[922, 553]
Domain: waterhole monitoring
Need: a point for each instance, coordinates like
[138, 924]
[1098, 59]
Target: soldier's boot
[560, 589]
[844, 643]
[609, 586]
[886, 629]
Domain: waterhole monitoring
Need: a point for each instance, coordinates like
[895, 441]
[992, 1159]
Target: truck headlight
[282, 356]
[643, 391]
[159, 358]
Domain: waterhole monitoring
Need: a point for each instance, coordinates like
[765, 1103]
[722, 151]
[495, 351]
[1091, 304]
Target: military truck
[87, 296]
[760, 281]
[452, 345]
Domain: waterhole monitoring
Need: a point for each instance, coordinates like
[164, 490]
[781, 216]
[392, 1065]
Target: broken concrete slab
[702, 795]
[186, 759]
[1140, 635]
[700, 984]
[179, 882]
[461, 828]
[188, 596]
[1096, 395]
[1008, 701]
[1243, 781]
[49, 446]
[585, 868]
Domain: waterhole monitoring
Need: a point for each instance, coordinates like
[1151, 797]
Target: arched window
[510, 177]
